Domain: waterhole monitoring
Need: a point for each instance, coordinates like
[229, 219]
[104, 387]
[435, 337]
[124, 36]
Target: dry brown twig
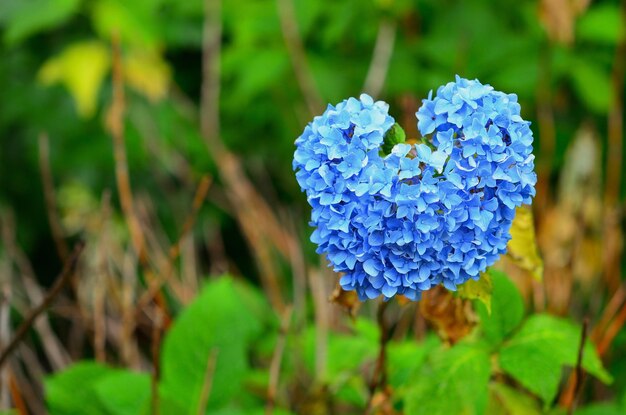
[63, 278]
[29, 389]
[297, 54]
[155, 286]
[20, 406]
[55, 351]
[115, 121]
[578, 371]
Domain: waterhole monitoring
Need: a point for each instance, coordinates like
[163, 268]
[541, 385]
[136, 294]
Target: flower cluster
[424, 214]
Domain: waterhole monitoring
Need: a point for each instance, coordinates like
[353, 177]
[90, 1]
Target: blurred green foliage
[44, 41]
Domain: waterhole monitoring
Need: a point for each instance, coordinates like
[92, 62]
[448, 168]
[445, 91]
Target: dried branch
[297, 54]
[174, 252]
[115, 122]
[612, 330]
[60, 282]
[20, 406]
[29, 389]
[381, 57]
[277, 358]
[55, 351]
[50, 197]
[116, 126]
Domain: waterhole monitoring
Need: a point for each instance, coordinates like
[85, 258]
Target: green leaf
[480, 290]
[507, 309]
[455, 384]
[506, 400]
[601, 24]
[124, 393]
[68, 392]
[219, 325]
[537, 353]
[405, 360]
[25, 18]
[395, 135]
[91, 388]
[592, 83]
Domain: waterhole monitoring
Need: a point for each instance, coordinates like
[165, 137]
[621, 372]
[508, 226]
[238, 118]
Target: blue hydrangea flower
[420, 216]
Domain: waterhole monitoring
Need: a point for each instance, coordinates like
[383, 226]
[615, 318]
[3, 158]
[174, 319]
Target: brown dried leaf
[382, 403]
[452, 317]
[348, 300]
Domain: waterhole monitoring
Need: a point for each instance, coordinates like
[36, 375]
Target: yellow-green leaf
[147, 73]
[81, 68]
[522, 248]
[478, 290]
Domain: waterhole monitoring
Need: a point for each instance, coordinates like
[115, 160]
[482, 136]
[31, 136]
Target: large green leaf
[346, 356]
[124, 393]
[71, 392]
[537, 353]
[208, 343]
[455, 383]
[404, 359]
[507, 309]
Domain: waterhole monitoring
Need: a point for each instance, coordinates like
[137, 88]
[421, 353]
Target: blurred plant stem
[116, 127]
[297, 54]
[378, 381]
[381, 57]
[50, 197]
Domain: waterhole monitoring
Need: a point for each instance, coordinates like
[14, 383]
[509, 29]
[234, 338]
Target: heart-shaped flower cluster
[424, 214]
